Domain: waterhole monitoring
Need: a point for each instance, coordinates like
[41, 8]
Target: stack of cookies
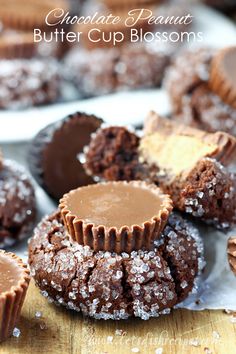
[115, 250]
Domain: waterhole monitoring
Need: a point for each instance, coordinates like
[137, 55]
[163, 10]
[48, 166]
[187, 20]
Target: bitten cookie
[191, 165]
[107, 285]
[201, 100]
[17, 203]
[54, 153]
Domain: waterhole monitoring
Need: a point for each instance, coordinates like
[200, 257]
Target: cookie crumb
[159, 351]
[233, 319]
[227, 311]
[109, 339]
[16, 332]
[120, 332]
[215, 335]
[38, 314]
[194, 342]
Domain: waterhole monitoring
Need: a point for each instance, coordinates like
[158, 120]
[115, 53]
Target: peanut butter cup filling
[176, 149]
[175, 153]
[116, 216]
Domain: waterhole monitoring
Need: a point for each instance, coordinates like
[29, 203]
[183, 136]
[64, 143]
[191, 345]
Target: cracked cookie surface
[108, 285]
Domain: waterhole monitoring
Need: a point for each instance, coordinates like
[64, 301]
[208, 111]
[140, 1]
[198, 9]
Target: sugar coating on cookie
[108, 285]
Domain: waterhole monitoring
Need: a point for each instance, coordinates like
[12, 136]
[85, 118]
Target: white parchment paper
[217, 286]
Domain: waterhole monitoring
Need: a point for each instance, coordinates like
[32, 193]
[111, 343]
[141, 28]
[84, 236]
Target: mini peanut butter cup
[27, 15]
[231, 250]
[116, 216]
[17, 44]
[223, 75]
[14, 282]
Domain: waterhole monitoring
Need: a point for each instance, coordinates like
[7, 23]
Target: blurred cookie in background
[28, 82]
[101, 71]
[202, 98]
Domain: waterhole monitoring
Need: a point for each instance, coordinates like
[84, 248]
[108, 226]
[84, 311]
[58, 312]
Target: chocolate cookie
[92, 71]
[205, 110]
[101, 71]
[25, 83]
[108, 285]
[189, 164]
[17, 203]
[202, 100]
[194, 67]
[53, 153]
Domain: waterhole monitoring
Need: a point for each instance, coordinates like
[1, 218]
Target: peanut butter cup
[17, 44]
[116, 216]
[27, 15]
[223, 75]
[48, 158]
[14, 281]
[231, 250]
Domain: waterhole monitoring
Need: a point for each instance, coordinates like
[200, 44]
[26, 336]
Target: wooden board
[67, 332]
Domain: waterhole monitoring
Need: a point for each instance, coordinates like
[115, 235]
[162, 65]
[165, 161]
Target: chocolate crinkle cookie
[205, 110]
[108, 285]
[196, 168]
[17, 203]
[193, 66]
[25, 83]
[101, 71]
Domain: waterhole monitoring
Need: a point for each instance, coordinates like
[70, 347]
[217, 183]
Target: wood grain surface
[62, 331]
